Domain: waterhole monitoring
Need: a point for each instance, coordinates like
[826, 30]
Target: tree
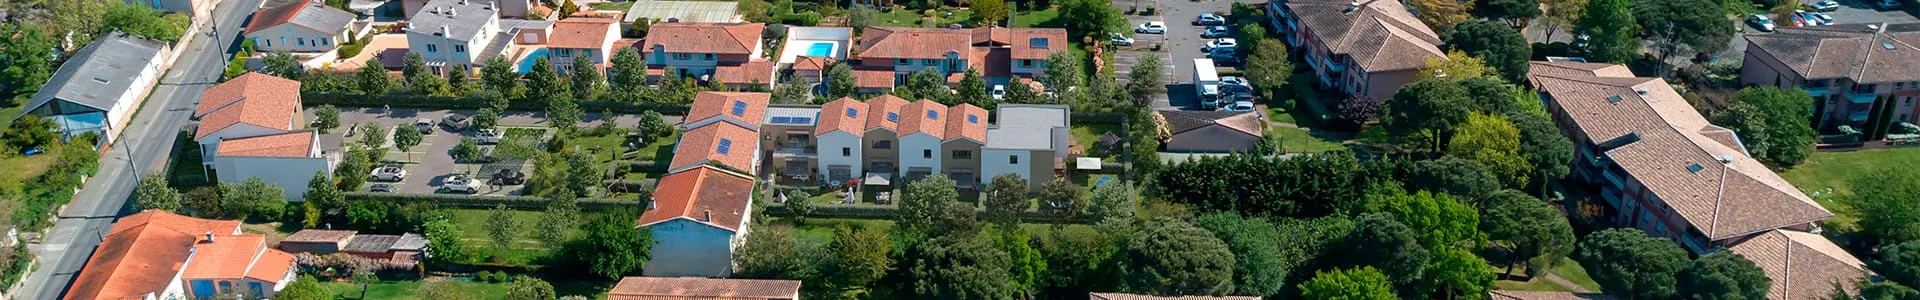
[1502, 47]
[1267, 67]
[324, 195]
[1377, 240]
[654, 126]
[1899, 262]
[800, 205]
[1363, 283]
[1561, 13]
[773, 252]
[1112, 201]
[428, 84]
[860, 17]
[1028, 266]
[1442, 15]
[1628, 262]
[501, 227]
[543, 82]
[1515, 13]
[1146, 79]
[567, 9]
[1679, 25]
[497, 74]
[963, 266]
[1887, 191]
[584, 173]
[611, 247]
[1457, 66]
[924, 201]
[25, 60]
[1020, 92]
[858, 256]
[558, 221]
[142, 21]
[1270, 143]
[990, 12]
[281, 64]
[373, 79]
[928, 84]
[840, 79]
[443, 242]
[1261, 266]
[563, 114]
[1527, 228]
[973, 89]
[203, 202]
[467, 150]
[364, 278]
[457, 81]
[1104, 89]
[1427, 111]
[353, 170]
[629, 71]
[1005, 198]
[529, 288]
[486, 118]
[251, 197]
[305, 288]
[1061, 196]
[1495, 144]
[1172, 257]
[1442, 221]
[1613, 35]
[1723, 275]
[1772, 123]
[1064, 75]
[797, 90]
[586, 78]
[153, 193]
[413, 65]
[1543, 146]
[1455, 271]
[326, 117]
[1091, 17]
[31, 131]
[406, 138]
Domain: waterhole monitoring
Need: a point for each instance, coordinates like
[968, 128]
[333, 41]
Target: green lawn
[917, 18]
[1295, 140]
[404, 290]
[525, 249]
[9, 112]
[20, 169]
[1041, 18]
[613, 6]
[520, 142]
[1825, 174]
[1568, 269]
[821, 229]
[606, 147]
[1088, 135]
[657, 150]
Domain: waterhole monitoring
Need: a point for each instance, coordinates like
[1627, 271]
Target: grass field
[605, 147]
[1088, 135]
[1825, 174]
[523, 250]
[1568, 269]
[917, 18]
[660, 149]
[404, 290]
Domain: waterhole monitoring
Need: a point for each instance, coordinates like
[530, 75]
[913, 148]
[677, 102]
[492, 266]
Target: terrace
[828, 42]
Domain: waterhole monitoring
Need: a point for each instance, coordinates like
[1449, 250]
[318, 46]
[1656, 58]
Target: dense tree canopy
[1542, 145]
[1500, 45]
[924, 201]
[1526, 228]
[1614, 35]
[153, 193]
[962, 266]
[1494, 143]
[26, 61]
[1426, 111]
[1363, 283]
[1723, 275]
[611, 247]
[1679, 25]
[1772, 124]
[1442, 15]
[1172, 257]
[1305, 185]
[1261, 267]
[1440, 219]
[1899, 262]
[1380, 242]
[304, 288]
[1459, 177]
[1627, 262]
[1888, 192]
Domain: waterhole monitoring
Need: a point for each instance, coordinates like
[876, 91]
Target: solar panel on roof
[725, 145]
[893, 117]
[853, 113]
[973, 119]
[802, 120]
[933, 114]
[782, 120]
[1038, 43]
[739, 108]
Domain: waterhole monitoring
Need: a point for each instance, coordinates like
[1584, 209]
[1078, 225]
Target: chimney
[209, 237]
[709, 215]
[445, 32]
[1882, 28]
[1640, 90]
[436, 10]
[489, 6]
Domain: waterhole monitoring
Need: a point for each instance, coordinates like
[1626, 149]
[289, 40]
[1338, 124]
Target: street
[143, 148]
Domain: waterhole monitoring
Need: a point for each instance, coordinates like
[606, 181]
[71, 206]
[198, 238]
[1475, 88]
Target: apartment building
[998, 53]
[1365, 48]
[299, 26]
[730, 53]
[455, 33]
[1860, 75]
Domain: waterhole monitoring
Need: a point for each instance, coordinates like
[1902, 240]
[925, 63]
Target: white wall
[993, 162]
[210, 144]
[418, 39]
[130, 99]
[288, 37]
[912, 155]
[290, 173]
[828, 147]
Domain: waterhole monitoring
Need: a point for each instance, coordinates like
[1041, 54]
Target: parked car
[1239, 106]
[488, 136]
[1216, 32]
[1797, 19]
[381, 188]
[1827, 5]
[1761, 22]
[425, 125]
[389, 173]
[509, 177]
[1890, 4]
[1154, 27]
[1209, 20]
[458, 183]
[999, 92]
[1118, 39]
[1219, 43]
[1821, 18]
[454, 122]
[1235, 81]
[1226, 56]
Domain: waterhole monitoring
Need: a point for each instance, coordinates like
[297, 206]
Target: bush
[433, 102]
[488, 202]
[353, 49]
[810, 18]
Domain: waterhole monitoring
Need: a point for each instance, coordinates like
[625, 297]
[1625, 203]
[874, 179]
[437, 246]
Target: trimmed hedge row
[1099, 117]
[485, 202]
[883, 212]
[432, 102]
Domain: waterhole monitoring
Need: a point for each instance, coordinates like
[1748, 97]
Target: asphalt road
[1184, 42]
[143, 148]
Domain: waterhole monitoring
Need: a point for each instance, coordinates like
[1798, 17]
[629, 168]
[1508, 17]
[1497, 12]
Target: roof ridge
[1719, 197]
[1786, 278]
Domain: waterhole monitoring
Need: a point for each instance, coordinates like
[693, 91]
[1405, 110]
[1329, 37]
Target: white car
[1234, 81]
[1239, 106]
[1220, 43]
[1209, 19]
[1154, 27]
[1827, 5]
[457, 183]
[389, 173]
[1216, 32]
[489, 136]
[1118, 39]
[1821, 18]
[1760, 21]
[999, 92]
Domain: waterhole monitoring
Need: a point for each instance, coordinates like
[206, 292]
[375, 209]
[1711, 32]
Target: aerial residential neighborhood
[984, 149]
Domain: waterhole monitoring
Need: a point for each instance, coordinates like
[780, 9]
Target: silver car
[389, 173]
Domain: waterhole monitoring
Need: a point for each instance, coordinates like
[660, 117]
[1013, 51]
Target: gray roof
[371, 243]
[323, 18]
[410, 242]
[686, 11]
[460, 18]
[792, 115]
[303, 13]
[1031, 127]
[97, 74]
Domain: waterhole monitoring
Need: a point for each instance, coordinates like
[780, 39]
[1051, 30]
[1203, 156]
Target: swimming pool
[820, 49]
[526, 63]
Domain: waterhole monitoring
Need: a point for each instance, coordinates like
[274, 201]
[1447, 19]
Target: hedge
[434, 102]
[884, 212]
[485, 202]
[1099, 117]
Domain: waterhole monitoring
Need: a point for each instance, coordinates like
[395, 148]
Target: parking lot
[429, 164]
[1184, 42]
[1143, 43]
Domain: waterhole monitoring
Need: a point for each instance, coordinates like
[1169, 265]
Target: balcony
[1859, 115]
[1612, 195]
[795, 150]
[1819, 90]
[1334, 66]
[1861, 97]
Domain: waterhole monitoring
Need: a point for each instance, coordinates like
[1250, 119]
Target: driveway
[430, 163]
[1184, 42]
[380, 43]
[1143, 43]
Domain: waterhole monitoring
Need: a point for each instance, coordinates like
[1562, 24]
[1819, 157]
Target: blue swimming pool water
[820, 49]
[527, 63]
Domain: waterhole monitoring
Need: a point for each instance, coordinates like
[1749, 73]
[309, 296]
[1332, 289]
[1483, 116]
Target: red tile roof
[704, 37]
[254, 98]
[701, 145]
[966, 121]
[703, 194]
[142, 254]
[991, 36]
[1038, 43]
[1379, 36]
[1802, 266]
[873, 79]
[811, 63]
[924, 116]
[1538, 295]
[225, 257]
[834, 117]
[582, 33]
[882, 106]
[757, 72]
[914, 43]
[716, 106]
[652, 288]
[272, 266]
[291, 144]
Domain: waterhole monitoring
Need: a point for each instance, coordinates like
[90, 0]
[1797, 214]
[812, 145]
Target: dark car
[381, 188]
[508, 177]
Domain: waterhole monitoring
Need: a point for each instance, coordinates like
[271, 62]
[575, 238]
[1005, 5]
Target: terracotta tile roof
[811, 63]
[702, 145]
[1715, 188]
[924, 116]
[582, 33]
[704, 37]
[881, 107]
[913, 43]
[845, 115]
[1537, 295]
[754, 72]
[991, 36]
[1179, 121]
[291, 144]
[1117, 296]
[704, 194]
[968, 122]
[1852, 51]
[319, 236]
[225, 257]
[142, 253]
[1801, 265]
[1381, 35]
[719, 106]
[272, 266]
[1038, 43]
[623, 43]
[652, 288]
[873, 79]
[1567, 68]
[254, 98]
[1002, 66]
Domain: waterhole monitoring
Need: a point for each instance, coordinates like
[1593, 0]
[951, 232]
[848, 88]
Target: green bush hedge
[432, 102]
[884, 212]
[485, 202]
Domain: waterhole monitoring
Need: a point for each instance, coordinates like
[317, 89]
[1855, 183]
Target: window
[739, 108]
[973, 119]
[300, 41]
[706, 56]
[883, 145]
[326, 42]
[459, 48]
[431, 48]
[681, 56]
[563, 52]
[933, 114]
[930, 62]
[226, 286]
[893, 117]
[902, 62]
[846, 151]
[1026, 63]
[926, 153]
[962, 154]
[853, 113]
[725, 145]
[1013, 159]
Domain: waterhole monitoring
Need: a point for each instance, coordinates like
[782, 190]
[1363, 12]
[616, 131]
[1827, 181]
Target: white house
[250, 128]
[1026, 142]
[922, 130]
[581, 36]
[156, 254]
[300, 26]
[837, 139]
[100, 86]
[455, 33]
